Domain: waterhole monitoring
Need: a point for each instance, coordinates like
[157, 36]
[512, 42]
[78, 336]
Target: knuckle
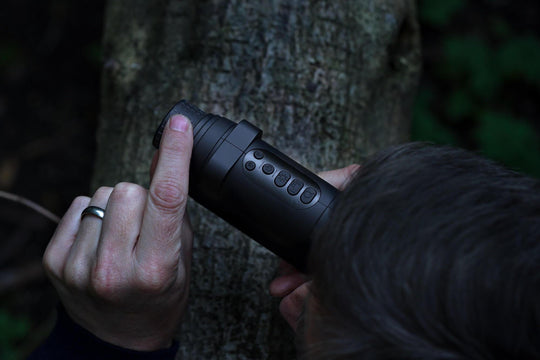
[49, 265]
[293, 301]
[101, 287]
[168, 196]
[154, 279]
[75, 275]
[285, 307]
[105, 282]
[127, 190]
[80, 201]
[103, 191]
[50, 261]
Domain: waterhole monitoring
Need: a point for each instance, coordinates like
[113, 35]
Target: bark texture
[329, 82]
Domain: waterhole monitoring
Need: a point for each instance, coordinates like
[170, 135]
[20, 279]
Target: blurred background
[479, 90]
[480, 87]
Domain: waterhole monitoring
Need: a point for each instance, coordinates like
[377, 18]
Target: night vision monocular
[252, 185]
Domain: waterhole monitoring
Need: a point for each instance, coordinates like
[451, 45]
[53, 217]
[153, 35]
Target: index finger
[167, 197]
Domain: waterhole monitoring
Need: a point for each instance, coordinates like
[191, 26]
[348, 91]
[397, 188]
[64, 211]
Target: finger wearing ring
[93, 210]
[82, 253]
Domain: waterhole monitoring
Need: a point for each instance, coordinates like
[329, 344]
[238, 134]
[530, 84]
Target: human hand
[125, 278]
[292, 285]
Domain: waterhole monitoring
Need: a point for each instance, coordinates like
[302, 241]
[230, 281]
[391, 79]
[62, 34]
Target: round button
[250, 165]
[268, 169]
[258, 154]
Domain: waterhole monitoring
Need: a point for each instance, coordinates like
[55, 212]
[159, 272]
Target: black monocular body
[252, 185]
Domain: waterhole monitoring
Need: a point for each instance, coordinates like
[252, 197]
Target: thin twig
[32, 205]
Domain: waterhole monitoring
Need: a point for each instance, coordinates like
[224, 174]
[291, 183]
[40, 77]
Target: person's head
[430, 253]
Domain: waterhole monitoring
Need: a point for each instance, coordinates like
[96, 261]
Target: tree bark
[329, 82]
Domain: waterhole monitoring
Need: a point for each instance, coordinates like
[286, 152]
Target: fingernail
[179, 123]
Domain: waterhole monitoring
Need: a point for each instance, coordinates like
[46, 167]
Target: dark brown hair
[430, 253]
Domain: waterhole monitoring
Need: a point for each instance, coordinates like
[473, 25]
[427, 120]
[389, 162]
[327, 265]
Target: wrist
[138, 344]
[69, 340]
[131, 335]
[133, 339]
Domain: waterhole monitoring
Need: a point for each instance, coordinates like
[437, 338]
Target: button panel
[276, 176]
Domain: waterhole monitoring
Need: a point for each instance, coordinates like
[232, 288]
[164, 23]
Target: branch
[32, 205]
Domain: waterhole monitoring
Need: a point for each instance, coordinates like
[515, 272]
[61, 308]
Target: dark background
[479, 90]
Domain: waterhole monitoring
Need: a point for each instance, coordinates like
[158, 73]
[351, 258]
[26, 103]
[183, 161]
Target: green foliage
[510, 141]
[519, 59]
[466, 101]
[439, 12]
[470, 60]
[459, 105]
[500, 28]
[12, 330]
[426, 127]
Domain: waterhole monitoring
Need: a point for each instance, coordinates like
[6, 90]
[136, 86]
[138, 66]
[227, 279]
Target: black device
[253, 186]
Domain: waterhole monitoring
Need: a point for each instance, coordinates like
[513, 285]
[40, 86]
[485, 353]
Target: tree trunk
[329, 82]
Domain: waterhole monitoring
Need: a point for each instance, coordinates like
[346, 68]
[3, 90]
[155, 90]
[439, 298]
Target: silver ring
[93, 210]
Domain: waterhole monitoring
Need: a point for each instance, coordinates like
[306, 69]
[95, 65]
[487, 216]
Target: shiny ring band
[93, 210]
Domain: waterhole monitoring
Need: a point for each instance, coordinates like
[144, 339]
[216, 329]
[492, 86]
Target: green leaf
[12, 330]
[425, 126]
[500, 27]
[520, 58]
[459, 105]
[469, 62]
[510, 141]
[439, 12]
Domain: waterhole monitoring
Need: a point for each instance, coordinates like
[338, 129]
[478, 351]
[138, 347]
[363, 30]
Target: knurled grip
[193, 113]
